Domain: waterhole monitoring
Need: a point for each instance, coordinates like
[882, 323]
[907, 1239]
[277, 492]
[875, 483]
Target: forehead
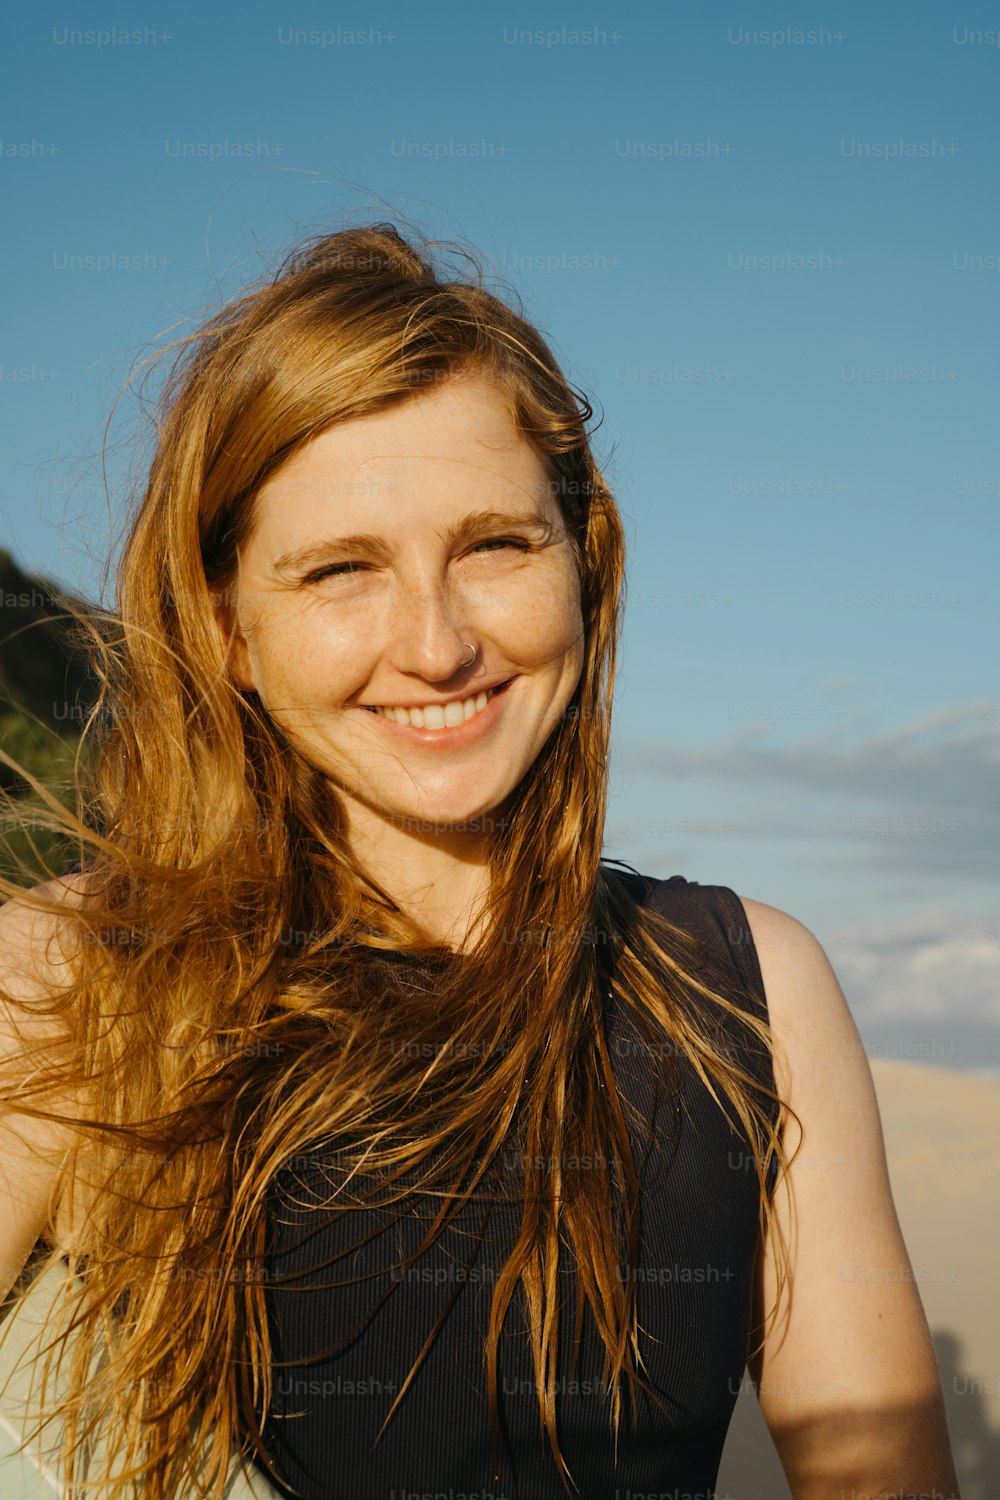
[455, 442]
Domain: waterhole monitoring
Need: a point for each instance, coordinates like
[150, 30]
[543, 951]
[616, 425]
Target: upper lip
[481, 685]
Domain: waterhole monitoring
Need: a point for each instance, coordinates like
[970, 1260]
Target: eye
[518, 542]
[346, 569]
[333, 570]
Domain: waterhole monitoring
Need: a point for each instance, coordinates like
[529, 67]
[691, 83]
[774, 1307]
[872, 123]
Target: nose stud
[475, 653]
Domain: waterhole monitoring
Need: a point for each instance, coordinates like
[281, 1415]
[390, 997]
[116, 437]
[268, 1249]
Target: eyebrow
[366, 545]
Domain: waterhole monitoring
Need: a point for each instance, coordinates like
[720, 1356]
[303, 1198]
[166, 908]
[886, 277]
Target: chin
[476, 820]
[465, 814]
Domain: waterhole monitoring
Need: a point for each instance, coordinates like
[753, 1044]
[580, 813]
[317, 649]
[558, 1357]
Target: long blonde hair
[210, 1049]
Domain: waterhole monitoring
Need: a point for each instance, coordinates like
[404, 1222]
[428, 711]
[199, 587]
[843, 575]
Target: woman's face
[381, 552]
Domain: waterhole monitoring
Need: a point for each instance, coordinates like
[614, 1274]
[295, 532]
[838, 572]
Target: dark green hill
[42, 673]
[46, 692]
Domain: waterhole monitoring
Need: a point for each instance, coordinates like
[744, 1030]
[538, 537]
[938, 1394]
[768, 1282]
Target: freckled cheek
[312, 662]
[542, 624]
[540, 639]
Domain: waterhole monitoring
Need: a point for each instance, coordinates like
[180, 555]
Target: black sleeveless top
[699, 1235]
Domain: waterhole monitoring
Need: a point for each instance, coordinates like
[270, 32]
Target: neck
[439, 876]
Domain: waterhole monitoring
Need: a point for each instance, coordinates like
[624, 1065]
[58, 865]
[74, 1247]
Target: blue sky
[768, 249]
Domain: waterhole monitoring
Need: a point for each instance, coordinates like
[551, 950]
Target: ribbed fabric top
[699, 1234]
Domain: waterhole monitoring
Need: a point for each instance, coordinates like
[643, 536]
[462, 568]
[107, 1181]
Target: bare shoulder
[821, 1069]
[808, 1012]
[42, 903]
[37, 940]
[39, 952]
[36, 952]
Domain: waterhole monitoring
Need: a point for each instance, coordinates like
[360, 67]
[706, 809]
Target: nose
[427, 636]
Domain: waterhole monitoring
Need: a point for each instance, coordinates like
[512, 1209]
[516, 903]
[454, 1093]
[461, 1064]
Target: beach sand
[942, 1134]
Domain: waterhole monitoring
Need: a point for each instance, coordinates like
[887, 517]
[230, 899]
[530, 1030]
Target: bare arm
[31, 1151]
[847, 1380]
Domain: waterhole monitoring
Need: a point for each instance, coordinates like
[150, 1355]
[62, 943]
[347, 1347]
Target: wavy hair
[204, 1050]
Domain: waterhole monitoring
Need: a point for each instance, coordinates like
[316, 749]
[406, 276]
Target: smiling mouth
[439, 715]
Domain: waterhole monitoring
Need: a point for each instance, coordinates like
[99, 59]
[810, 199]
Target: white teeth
[438, 715]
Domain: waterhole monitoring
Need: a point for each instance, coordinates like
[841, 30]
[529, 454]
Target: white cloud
[938, 966]
[922, 799]
[953, 752]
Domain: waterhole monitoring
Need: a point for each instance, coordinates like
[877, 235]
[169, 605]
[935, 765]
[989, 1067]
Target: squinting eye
[345, 569]
[505, 541]
[335, 570]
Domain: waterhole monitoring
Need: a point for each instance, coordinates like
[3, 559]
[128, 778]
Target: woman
[374, 1127]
